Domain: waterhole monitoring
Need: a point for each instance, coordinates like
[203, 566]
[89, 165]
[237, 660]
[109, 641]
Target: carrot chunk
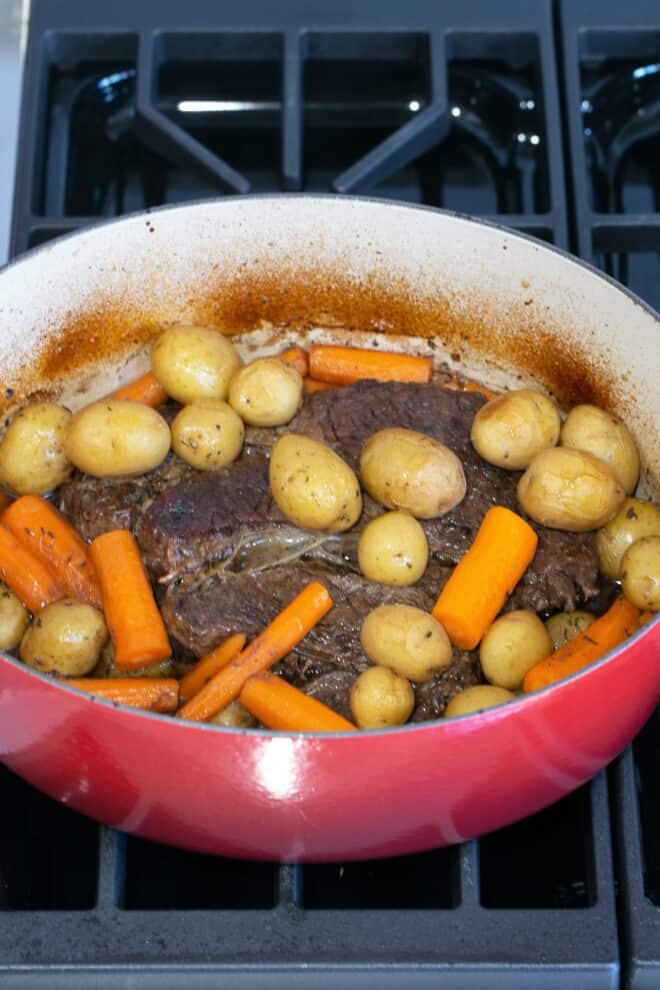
[486, 575]
[44, 531]
[467, 385]
[280, 705]
[620, 621]
[136, 626]
[204, 669]
[25, 574]
[153, 694]
[298, 358]
[284, 632]
[312, 385]
[343, 365]
[146, 389]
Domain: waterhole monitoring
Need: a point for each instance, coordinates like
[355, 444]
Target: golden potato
[476, 699]
[234, 716]
[634, 520]
[640, 573]
[266, 392]
[567, 625]
[193, 362]
[65, 638]
[393, 549]
[603, 435]
[114, 437]
[380, 698]
[207, 434]
[14, 618]
[407, 640]
[509, 430]
[514, 643]
[312, 485]
[569, 489]
[403, 469]
[32, 453]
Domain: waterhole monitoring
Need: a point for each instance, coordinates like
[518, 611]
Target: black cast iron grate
[611, 76]
[139, 105]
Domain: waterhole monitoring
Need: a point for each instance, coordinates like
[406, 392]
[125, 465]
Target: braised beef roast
[224, 558]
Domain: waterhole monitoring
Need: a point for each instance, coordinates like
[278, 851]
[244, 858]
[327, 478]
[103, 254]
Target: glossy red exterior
[304, 798]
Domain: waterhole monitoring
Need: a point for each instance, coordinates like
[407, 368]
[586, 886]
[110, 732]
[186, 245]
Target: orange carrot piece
[620, 621]
[280, 705]
[343, 365]
[312, 385]
[467, 385]
[25, 574]
[44, 531]
[203, 671]
[646, 617]
[284, 632]
[146, 389]
[485, 576]
[297, 357]
[154, 694]
[136, 626]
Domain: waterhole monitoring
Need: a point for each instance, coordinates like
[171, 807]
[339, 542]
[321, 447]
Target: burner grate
[612, 68]
[445, 914]
[430, 111]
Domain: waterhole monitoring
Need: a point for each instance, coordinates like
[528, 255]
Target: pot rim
[500, 711]
[647, 631]
[335, 197]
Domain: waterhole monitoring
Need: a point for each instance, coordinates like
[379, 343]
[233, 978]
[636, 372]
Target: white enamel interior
[161, 263]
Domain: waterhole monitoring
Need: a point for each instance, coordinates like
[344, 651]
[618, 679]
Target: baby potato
[381, 698]
[14, 618]
[193, 362]
[604, 435]
[567, 625]
[569, 489]
[115, 437]
[32, 453]
[234, 716]
[393, 549]
[476, 699]
[207, 434]
[403, 469]
[509, 430]
[513, 644]
[634, 520]
[640, 573]
[266, 392]
[312, 485]
[409, 641]
[65, 638]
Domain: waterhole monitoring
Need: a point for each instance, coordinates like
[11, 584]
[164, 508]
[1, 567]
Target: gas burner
[621, 114]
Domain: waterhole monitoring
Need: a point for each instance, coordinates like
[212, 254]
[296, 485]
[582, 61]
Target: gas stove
[542, 117]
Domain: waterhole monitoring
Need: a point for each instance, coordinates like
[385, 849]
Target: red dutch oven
[76, 318]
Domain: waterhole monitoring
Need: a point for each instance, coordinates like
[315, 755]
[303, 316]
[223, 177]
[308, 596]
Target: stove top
[544, 117]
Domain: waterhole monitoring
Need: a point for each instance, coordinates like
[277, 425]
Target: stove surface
[543, 117]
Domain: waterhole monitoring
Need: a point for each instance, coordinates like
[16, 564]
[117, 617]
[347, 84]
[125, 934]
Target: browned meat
[97, 505]
[225, 559]
[201, 614]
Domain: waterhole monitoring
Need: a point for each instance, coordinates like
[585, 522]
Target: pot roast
[223, 558]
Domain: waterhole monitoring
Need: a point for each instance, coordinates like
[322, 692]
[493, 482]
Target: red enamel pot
[75, 320]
